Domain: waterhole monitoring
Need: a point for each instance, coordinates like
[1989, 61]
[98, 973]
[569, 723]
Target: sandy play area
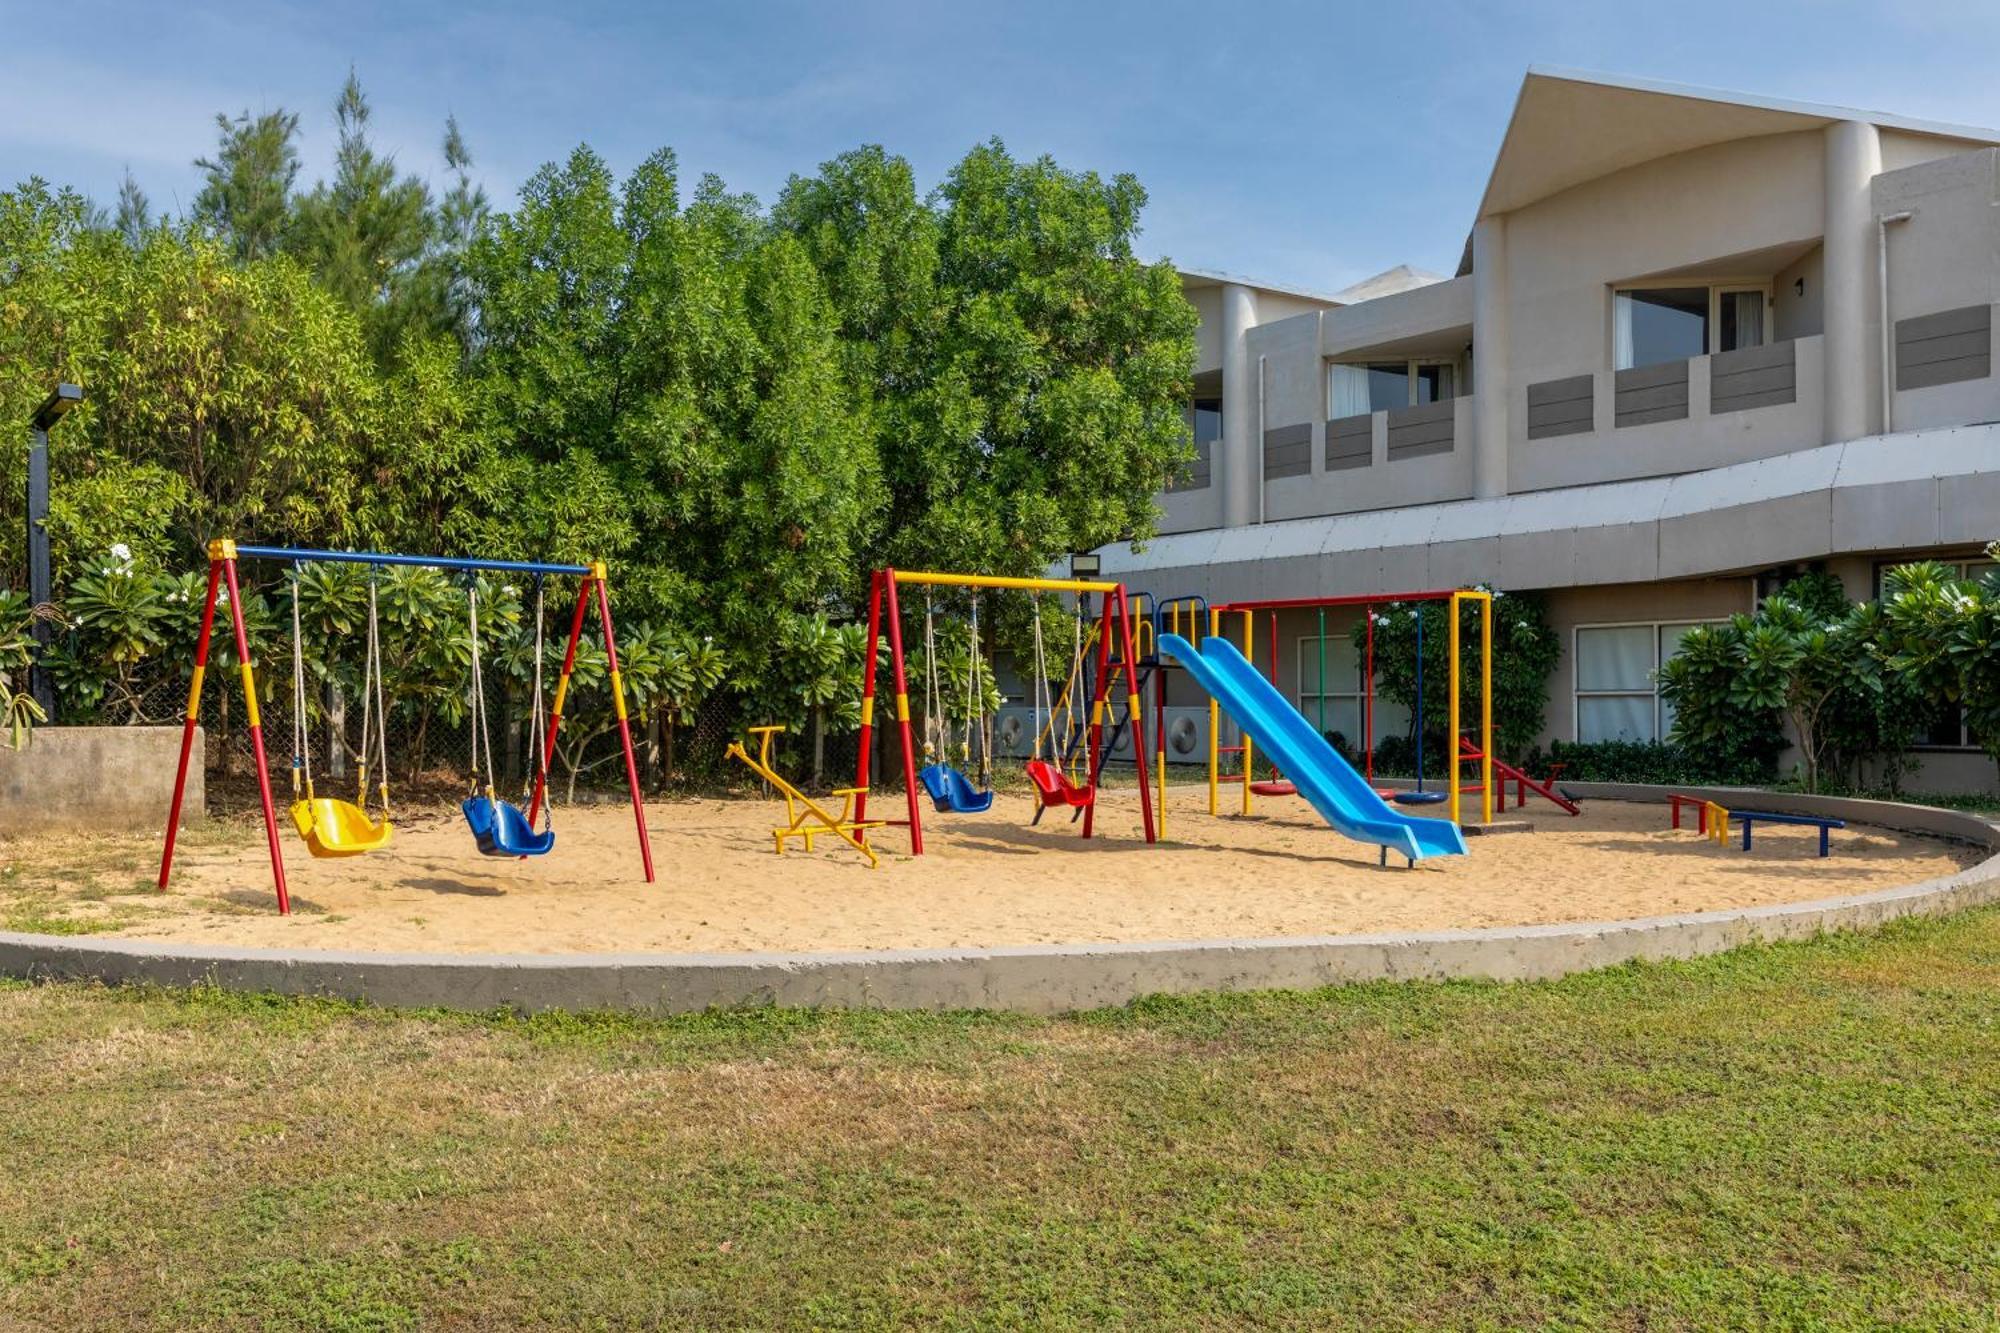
[984, 880]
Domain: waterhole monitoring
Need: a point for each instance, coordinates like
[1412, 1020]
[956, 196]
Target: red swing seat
[1052, 788]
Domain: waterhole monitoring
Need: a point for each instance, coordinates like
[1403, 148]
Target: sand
[985, 880]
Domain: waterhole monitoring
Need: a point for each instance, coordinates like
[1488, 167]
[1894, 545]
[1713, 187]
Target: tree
[1526, 650]
[1942, 634]
[365, 233]
[135, 214]
[246, 193]
[1029, 373]
[1790, 658]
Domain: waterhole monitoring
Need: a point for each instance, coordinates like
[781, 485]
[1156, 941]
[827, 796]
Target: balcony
[1676, 416]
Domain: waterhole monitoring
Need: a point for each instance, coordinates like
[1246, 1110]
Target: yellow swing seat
[333, 827]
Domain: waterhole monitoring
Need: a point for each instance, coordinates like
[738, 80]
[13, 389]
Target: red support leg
[868, 698]
[1368, 697]
[902, 682]
[562, 693]
[1098, 693]
[188, 726]
[624, 727]
[256, 723]
[1138, 712]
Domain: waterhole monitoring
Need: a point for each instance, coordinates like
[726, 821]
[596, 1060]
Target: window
[1339, 709]
[1617, 680]
[1205, 420]
[1655, 324]
[1383, 386]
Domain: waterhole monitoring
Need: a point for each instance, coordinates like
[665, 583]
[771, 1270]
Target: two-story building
[1697, 341]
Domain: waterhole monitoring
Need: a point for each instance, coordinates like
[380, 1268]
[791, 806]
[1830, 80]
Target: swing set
[331, 827]
[950, 790]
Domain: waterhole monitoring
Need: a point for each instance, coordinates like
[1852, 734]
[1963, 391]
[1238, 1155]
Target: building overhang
[1913, 491]
[1569, 126]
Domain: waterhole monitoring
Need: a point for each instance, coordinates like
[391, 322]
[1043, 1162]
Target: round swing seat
[1279, 787]
[1421, 797]
[501, 829]
[332, 827]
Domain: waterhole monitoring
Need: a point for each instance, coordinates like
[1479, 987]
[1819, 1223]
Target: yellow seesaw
[800, 808]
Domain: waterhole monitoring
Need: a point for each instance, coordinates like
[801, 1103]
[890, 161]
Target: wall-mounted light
[1798, 287]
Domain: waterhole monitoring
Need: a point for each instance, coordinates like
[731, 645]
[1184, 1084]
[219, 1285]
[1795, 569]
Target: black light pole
[41, 582]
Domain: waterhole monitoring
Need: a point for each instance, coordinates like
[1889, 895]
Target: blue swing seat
[951, 792]
[502, 830]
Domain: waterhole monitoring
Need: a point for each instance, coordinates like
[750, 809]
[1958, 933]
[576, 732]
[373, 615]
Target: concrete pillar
[1492, 373]
[1853, 333]
[1237, 467]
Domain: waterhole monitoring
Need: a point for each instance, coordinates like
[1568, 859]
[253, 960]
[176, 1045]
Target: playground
[985, 880]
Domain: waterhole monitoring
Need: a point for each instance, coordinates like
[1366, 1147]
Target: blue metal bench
[1747, 818]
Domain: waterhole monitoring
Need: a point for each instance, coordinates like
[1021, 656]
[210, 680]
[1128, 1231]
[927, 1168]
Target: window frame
[1411, 365]
[1712, 336]
[1577, 694]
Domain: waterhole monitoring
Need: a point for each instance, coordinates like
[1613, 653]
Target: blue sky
[1309, 144]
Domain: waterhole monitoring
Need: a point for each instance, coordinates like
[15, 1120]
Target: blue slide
[1329, 783]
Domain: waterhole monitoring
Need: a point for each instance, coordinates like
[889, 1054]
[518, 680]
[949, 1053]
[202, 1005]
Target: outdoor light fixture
[1085, 565]
[40, 576]
[55, 405]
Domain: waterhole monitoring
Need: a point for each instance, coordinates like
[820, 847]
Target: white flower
[121, 551]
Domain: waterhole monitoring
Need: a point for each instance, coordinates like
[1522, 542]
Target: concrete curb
[1039, 980]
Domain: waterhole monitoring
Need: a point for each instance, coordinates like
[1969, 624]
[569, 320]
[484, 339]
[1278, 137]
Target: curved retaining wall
[1043, 980]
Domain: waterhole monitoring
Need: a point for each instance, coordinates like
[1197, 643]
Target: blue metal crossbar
[1749, 817]
[299, 555]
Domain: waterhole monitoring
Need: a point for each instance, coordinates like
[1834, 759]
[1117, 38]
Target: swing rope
[480, 734]
[1043, 701]
[301, 740]
[371, 676]
[538, 755]
[935, 736]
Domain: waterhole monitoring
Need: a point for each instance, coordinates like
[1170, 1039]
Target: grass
[1796, 1136]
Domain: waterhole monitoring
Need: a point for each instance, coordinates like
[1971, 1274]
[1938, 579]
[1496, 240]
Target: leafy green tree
[1526, 650]
[1785, 660]
[1942, 634]
[17, 649]
[246, 193]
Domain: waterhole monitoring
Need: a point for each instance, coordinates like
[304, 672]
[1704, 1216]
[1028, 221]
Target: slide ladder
[1341, 796]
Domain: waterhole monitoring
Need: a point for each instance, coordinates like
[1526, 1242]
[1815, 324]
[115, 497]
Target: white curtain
[1621, 331]
[1346, 392]
[1749, 311]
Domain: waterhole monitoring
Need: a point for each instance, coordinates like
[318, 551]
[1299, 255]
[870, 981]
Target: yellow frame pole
[1004, 581]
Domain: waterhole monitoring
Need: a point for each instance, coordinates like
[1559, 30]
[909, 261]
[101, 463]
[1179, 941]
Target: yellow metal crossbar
[800, 808]
[1003, 581]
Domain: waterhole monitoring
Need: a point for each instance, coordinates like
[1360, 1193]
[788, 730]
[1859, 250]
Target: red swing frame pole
[562, 693]
[902, 682]
[868, 699]
[1135, 710]
[597, 578]
[191, 720]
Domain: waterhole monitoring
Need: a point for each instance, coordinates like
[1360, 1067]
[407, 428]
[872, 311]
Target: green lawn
[1803, 1136]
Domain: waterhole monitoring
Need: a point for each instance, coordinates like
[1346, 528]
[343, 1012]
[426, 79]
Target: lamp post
[41, 588]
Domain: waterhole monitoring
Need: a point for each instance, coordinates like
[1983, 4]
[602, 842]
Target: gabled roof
[1569, 126]
[1201, 277]
[1402, 278]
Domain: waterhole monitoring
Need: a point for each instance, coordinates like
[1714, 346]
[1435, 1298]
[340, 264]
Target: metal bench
[1748, 818]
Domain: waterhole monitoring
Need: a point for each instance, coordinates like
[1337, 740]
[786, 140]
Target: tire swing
[330, 826]
[951, 792]
[499, 827]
